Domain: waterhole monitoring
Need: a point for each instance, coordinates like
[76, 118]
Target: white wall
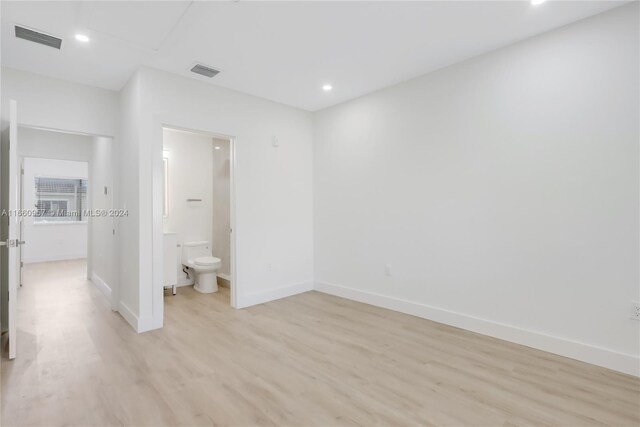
[190, 177]
[56, 104]
[273, 185]
[50, 103]
[221, 241]
[57, 240]
[102, 266]
[503, 191]
[54, 145]
[127, 186]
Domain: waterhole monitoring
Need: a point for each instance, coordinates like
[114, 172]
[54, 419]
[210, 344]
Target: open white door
[13, 243]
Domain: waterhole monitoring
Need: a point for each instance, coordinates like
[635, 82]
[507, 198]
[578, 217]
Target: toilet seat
[206, 260]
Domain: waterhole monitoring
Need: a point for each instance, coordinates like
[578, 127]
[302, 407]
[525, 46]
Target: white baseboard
[139, 324]
[184, 281]
[146, 324]
[626, 363]
[274, 294]
[224, 276]
[128, 315]
[101, 285]
[53, 257]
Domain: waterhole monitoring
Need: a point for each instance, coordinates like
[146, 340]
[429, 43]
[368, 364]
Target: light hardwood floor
[308, 360]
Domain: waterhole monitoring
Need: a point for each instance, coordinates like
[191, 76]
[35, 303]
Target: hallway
[66, 334]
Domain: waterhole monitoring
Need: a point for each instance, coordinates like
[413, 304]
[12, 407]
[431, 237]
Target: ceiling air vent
[36, 37]
[204, 70]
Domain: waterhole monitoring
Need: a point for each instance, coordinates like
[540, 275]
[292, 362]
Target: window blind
[60, 199]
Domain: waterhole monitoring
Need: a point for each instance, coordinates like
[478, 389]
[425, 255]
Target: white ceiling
[282, 51]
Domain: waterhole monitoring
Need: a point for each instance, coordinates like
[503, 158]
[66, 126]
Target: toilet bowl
[197, 258]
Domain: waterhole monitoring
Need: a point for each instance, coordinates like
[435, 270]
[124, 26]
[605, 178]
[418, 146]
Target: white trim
[102, 285]
[147, 324]
[50, 223]
[185, 281]
[225, 277]
[139, 324]
[627, 363]
[233, 282]
[54, 257]
[73, 132]
[128, 315]
[274, 294]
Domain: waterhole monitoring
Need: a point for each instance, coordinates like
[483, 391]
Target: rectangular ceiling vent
[204, 70]
[36, 37]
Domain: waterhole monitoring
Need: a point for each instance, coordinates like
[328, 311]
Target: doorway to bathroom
[197, 172]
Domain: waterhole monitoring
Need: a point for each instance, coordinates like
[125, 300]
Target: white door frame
[21, 227]
[13, 230]
[115, 280]
[157, 195]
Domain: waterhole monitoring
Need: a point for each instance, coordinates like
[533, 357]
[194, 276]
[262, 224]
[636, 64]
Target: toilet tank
[193, 250]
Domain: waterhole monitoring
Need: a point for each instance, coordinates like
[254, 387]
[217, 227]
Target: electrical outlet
[635, 310]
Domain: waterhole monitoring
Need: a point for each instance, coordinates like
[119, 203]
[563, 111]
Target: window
[60, 199]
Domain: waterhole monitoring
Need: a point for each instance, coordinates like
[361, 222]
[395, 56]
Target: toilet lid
[206, 260]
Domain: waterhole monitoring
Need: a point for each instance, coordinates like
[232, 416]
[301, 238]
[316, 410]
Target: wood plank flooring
[308, 360]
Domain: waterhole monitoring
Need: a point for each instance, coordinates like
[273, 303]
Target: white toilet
[202, 266]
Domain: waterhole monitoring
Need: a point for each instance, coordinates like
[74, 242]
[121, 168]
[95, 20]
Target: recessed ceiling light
[216, 147]
[537, 2]
[327, 88]
[82, 38]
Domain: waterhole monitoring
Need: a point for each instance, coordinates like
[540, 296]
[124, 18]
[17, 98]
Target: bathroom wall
[221, 241]
[190, 177]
